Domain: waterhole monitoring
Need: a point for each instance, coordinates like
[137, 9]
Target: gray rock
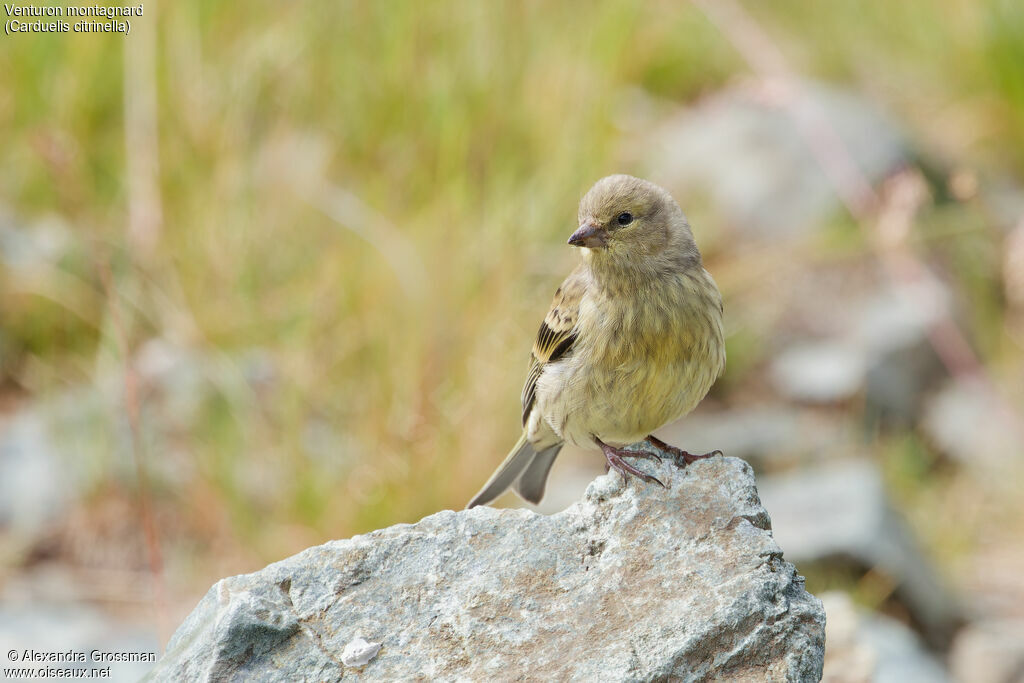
[822, 372]
[634, 582]
[838, 514]
[59, 445]
[989, 651]
[893, 327]
[48, 627]
[767, 436]
[1003, 198]
[865, 647]
[34, 486]
[770, 438]
[877, 343]
[899, 654]
[971, 425]
[30, 249]
[744, 148]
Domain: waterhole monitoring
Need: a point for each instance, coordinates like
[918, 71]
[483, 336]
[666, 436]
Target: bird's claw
[614, 460]
[682, 458]
[688, 458]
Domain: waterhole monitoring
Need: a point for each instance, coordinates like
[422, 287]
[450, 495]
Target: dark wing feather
[556, 334]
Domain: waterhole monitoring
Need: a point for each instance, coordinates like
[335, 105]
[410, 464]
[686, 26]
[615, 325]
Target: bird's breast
[639, 362]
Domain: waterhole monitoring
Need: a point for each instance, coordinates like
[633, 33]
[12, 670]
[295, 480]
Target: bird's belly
[619, 407]
[633, 370]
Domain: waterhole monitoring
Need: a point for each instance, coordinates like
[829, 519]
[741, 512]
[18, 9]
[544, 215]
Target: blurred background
[269, 276]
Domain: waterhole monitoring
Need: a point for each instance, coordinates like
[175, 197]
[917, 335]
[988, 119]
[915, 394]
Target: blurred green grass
[376, 195]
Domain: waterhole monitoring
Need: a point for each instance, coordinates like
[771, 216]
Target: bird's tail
[530, 484]
[524, 469]
[514, 465]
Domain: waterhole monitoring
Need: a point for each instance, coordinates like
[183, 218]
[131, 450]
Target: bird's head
[627, 220]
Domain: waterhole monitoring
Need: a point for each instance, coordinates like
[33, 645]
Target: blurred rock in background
[38, 625]
[743, 148]
[837, 516]
[862, 647]
[989, 651]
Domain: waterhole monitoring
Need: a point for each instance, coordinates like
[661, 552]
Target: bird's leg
[678, 453]
[614, 459]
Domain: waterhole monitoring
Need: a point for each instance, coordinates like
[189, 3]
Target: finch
[633, 340]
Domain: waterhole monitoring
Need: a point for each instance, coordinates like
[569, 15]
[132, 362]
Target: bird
[633, 340]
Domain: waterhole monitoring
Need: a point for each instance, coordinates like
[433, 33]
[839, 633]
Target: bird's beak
[590, 236]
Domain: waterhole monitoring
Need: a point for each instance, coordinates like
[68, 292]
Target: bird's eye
[625, 218]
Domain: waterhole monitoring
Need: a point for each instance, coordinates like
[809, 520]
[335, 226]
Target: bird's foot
[681, 457]
[614, 460]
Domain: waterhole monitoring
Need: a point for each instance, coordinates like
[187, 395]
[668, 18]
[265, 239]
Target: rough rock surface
[634, 582]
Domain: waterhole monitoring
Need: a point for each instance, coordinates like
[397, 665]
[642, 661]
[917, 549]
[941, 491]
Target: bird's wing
[556, 334]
